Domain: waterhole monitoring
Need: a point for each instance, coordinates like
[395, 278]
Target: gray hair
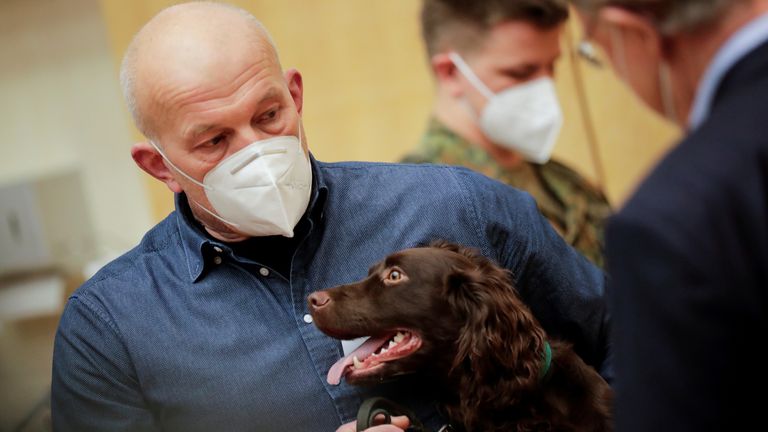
[127, 84]
[670, 16]
[128, 65]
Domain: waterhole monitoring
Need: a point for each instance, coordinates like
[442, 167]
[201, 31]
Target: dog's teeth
[358, 364]
[383, 350]
[391, 344]
[399, 337]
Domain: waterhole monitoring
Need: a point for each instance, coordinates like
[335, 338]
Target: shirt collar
[200, 248]
[736, 48]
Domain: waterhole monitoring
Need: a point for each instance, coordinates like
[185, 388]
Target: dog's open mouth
[373, 354]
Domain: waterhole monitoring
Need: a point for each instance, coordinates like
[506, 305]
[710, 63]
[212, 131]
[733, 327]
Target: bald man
[204, 325]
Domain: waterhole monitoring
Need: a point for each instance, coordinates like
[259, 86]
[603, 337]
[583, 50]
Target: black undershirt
[275, 252]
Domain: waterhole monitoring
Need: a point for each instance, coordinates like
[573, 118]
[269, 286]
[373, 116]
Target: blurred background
[71, 198]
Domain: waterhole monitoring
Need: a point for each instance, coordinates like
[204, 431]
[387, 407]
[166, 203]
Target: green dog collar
[547, 361]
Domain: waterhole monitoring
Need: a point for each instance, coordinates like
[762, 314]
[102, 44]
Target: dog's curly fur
[454, 300]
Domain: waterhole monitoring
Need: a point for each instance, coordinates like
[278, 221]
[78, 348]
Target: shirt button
[217, 249]
[308, 319]
[264, 271]
[217, 260]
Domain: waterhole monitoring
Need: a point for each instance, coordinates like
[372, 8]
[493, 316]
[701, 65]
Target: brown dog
[452, 314]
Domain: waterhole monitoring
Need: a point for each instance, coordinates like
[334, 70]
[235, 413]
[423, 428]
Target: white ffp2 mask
[261, 190]
[525, 118]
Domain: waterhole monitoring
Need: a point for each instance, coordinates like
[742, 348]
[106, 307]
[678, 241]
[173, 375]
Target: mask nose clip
[255, 156]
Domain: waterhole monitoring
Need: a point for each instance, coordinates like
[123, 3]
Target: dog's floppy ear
[465, 303]
[498, 327]
[500, 344]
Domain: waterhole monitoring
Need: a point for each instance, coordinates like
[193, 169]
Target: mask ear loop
[617, 45]
[667, 99]
[162, 153]
[665, 76]
[473, 79]
[470, 75]
[215, 215]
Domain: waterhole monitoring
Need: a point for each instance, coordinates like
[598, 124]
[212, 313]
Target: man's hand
[399, 424]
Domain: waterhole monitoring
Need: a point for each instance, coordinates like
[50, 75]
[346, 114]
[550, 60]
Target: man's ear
[295, 87]
[150, 160]
[447, 74]
[636, 31]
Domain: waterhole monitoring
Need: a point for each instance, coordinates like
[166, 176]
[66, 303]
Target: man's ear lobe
[447, 75]
[150, 160]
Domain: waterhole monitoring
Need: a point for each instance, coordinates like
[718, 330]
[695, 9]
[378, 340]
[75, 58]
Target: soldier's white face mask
[525, 118]
[262, 189]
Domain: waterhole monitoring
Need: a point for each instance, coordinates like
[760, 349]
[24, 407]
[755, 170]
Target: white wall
[61, 109]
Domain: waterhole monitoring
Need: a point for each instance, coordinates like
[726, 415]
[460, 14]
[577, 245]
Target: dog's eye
[394, 276]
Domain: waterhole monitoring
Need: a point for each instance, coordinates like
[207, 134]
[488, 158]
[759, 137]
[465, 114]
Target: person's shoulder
[735, 126]
[123, 269]
[717, 157]
[573, 179]
[426, 179]
[408, 169]
[561, 168]
[565, 172]
[722, 157]
[697, 189]
[419, 157]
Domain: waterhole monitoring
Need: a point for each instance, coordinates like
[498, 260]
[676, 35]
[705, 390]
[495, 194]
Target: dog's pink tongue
[367, 348]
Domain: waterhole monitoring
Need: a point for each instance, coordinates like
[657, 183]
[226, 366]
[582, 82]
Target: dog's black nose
[319, 299]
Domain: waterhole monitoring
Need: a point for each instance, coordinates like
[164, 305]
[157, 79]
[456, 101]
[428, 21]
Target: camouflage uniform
[576, 209]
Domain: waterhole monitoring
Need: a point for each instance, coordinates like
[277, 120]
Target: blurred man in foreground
[688, 254]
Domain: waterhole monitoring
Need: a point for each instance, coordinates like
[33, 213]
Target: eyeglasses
[587, 51]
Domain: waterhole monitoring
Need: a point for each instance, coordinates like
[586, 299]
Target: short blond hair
[462, 24]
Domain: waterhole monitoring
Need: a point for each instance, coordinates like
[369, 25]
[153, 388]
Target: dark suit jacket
[688, 261]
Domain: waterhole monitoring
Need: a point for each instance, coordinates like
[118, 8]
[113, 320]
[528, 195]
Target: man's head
[504, 42]
[669, 16]
[463, 25]
[661, 48]
[203, 81]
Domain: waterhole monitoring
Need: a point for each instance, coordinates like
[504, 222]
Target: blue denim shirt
[183, 334]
